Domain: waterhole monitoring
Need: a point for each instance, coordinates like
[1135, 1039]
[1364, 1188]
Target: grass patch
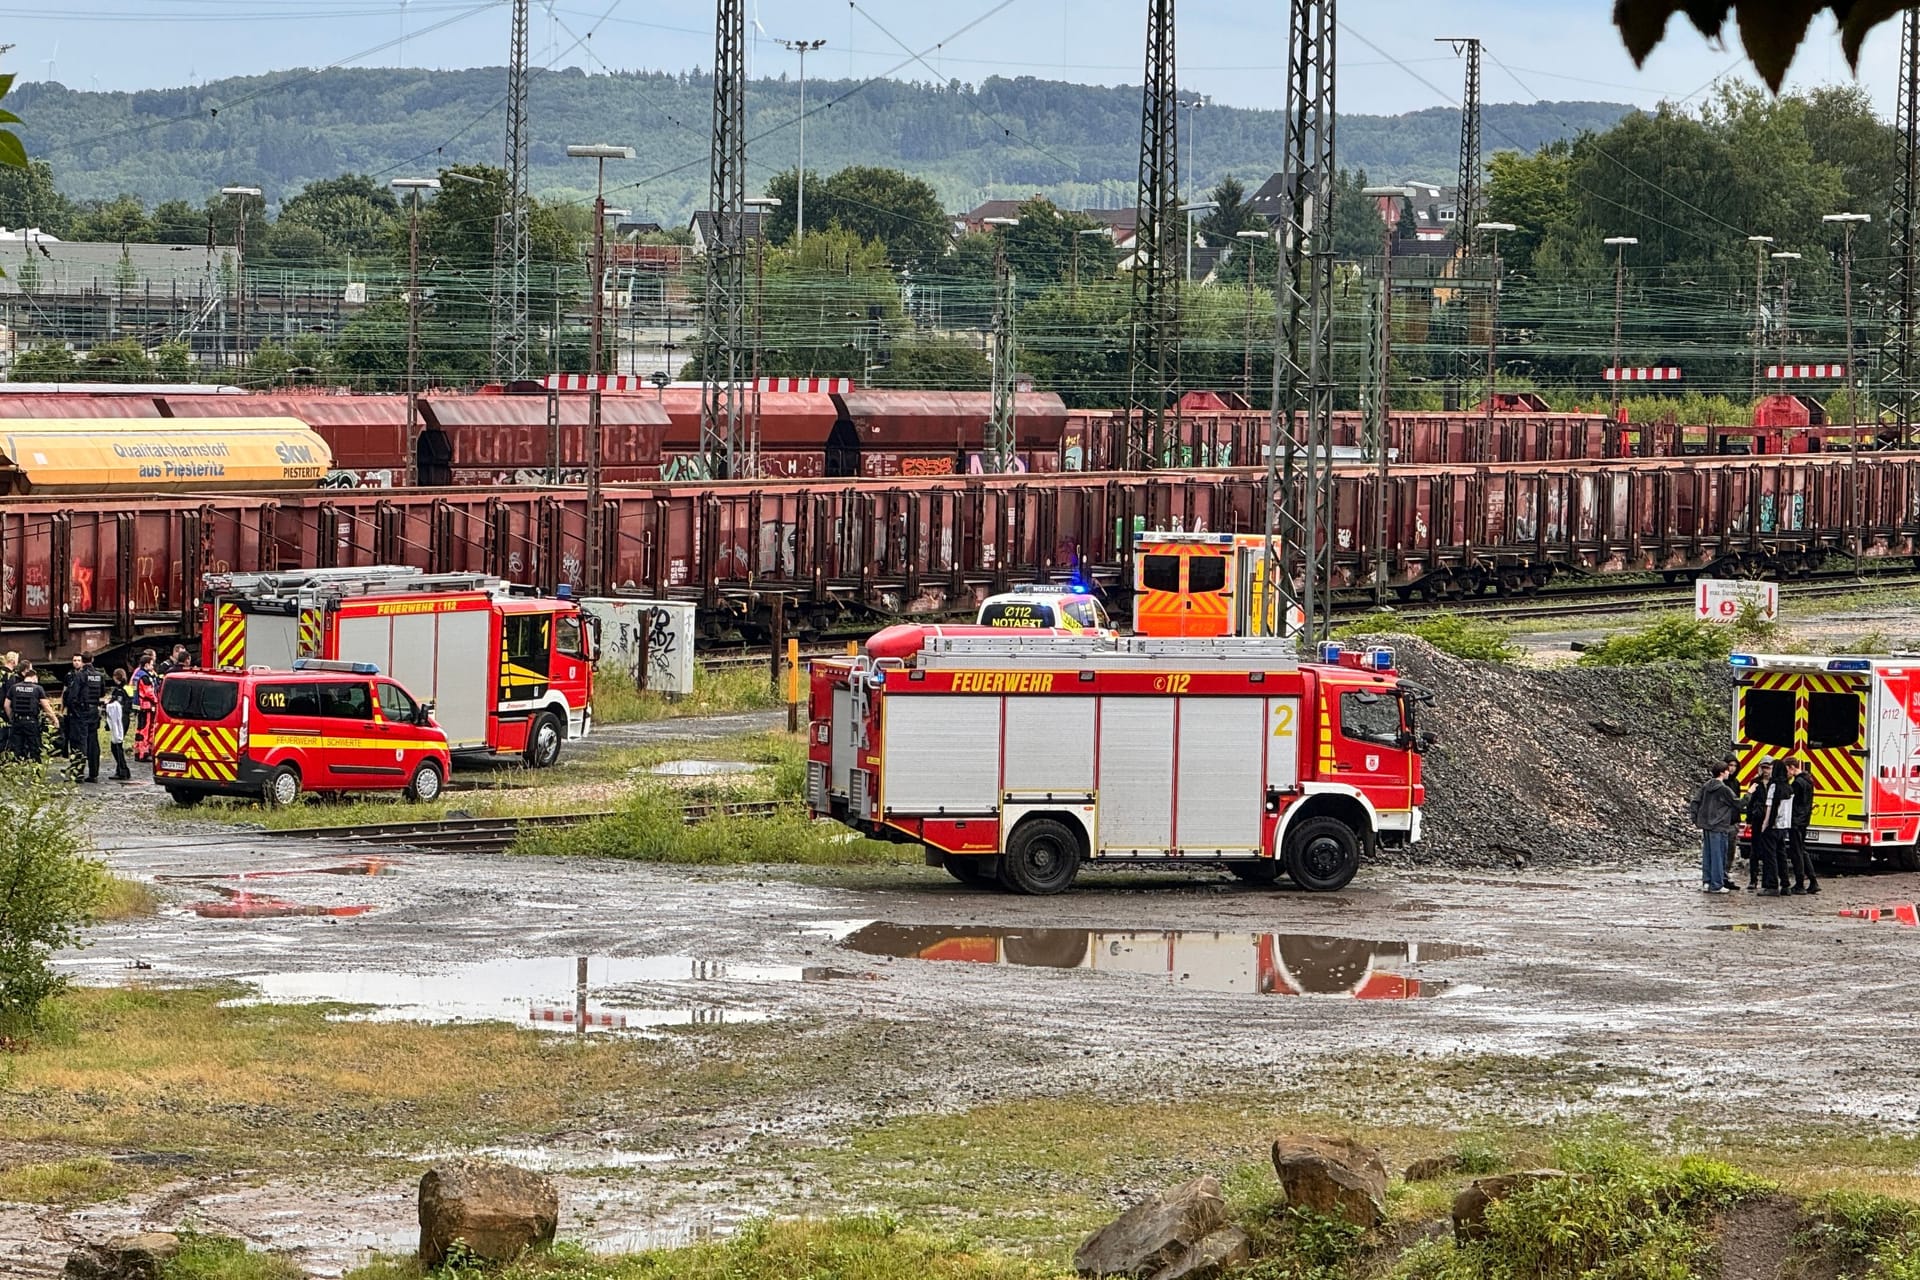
[85, 1180]
[1449, 632]
[649, 827]
[870, 1247]
[725, 691]
[1872, 1237]
[124, 899]
[205, 1257]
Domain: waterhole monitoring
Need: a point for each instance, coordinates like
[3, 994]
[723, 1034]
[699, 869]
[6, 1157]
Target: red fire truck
[1019, 758]
[508, 672]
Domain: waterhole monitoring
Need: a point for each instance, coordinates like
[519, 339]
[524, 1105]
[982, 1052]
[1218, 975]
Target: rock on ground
[1602, 761]
[1337, 1177]
[1216, 1255]
[131, 1257]
[498, 1211]
[1471, 1204]
[1154, 1236]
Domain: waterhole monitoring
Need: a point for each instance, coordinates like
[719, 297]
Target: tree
[945, 364]
[125, 276]
[177, 222]
[351, 213]
[1047, 246]
[48, 891]
[293, 242]
[1233, 213]
[120, 360]
[173, 361]
[28, 198]
[904, 213]
[122, 219]
[1358, 229]
[1535, 194]
[48, 362]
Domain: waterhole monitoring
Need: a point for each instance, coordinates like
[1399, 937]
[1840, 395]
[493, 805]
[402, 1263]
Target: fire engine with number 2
[1017, 759]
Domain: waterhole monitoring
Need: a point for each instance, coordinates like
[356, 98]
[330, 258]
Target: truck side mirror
[1429, 739]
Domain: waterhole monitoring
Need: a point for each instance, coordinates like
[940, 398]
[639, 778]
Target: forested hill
[1075, 143]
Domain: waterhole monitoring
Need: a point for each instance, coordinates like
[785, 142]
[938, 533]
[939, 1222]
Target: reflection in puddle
[358, 867]
[238, 904]
[549, 993]
[1266, 963]
[702, 768]
[1905, 913]
[1743, 928]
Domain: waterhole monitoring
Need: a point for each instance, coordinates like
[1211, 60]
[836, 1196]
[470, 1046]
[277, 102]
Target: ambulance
[1855, 720]
[1016, 759]
[509, 672]
[1040, 607]
[1202, 584]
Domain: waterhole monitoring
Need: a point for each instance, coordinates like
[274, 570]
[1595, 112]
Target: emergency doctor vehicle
[1855, 720]
[1018, 758]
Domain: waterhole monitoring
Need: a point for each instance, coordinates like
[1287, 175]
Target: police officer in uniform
[26, 709]
[86, 694]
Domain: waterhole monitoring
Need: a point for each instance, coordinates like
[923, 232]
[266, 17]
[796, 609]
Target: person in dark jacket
[1801, 778]
[1755, 809]
[1772, 823]
[1716, 810]
[27, 713]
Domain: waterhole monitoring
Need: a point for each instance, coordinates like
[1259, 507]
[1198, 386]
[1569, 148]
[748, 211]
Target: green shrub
[49, 890]
[1671, 639]
[204, 1257]
[1448, 632]
[651, 827]
[1872, 1237]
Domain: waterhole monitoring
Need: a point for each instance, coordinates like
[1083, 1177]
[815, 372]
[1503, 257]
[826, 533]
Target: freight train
[97, 572]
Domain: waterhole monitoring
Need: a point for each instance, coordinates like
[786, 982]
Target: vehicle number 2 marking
[1283, 720]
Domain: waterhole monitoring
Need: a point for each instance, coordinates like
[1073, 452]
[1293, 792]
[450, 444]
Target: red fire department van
[1020, 758]
[323, 726]
[509, 672]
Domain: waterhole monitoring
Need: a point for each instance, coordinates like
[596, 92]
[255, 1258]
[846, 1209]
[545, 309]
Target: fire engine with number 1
[1018, 759]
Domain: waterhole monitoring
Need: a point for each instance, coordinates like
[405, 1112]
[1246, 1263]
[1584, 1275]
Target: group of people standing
[124, 701]
[1778, 811]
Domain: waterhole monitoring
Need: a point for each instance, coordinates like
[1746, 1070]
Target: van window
[1833, 720]
[1766, 717]
[395, 704]
[184, 698]
[1206, 573]
[1370, 717]
[1087, 613]
[288, 699]
[1017, 613]
[569, 642]
[345, 701]
[1160, 573]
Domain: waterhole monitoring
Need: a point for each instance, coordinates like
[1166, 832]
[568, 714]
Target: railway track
[496, 835]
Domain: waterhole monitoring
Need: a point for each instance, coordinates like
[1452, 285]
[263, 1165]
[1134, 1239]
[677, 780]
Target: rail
[497, 835]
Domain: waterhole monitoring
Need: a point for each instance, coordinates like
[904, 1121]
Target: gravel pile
[1539, 767]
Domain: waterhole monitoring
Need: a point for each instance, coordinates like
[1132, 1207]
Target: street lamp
[1619, 245]
[599, 153]
[239, 268]
[1850, 223]
[803, 48]
[1192, 107]
[1759, 244]
[764, 204]
[1198, 206]
[413, 187]
[1382, 406]
[1246, 370]
[1492, 231]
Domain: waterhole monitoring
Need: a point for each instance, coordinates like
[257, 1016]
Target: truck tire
[282, 789]
[972, 869]
[426, 784]
[1043, 857]
[184, 798]
[543, 741]
[1907, 858]
[1265, 871]
[1323, 855]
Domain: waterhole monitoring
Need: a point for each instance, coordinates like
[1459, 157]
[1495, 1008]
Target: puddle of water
[1743, 928]
[239, 904]
[550, 1159]
[702, 768]
[1254, 963]
[358, 867]
[548, 993]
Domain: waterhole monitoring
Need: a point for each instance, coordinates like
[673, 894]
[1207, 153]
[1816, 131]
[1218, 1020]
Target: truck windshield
[185, 698]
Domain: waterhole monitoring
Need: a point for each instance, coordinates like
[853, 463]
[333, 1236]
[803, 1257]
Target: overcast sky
[1232, 49]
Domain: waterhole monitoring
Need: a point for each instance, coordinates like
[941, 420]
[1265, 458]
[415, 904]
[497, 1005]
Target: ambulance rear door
[1893, 772]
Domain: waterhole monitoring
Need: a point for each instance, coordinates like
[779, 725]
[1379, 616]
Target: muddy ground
[1626, 989]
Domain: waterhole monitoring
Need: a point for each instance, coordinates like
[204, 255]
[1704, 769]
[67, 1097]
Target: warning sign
[1726, 599]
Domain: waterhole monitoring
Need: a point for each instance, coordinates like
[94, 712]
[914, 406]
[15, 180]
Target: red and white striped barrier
[1659, 373]
[548, 1013]
[1780, 371]
[808, 386]
[605, 382]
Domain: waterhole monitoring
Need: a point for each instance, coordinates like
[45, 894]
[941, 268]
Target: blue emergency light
[1378, 658]
[1743, 660]
[1330, 651]
[564, 591]
[1850, 664]
[333, 664]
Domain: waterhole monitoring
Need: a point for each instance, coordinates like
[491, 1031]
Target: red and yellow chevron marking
[310, 624]
[212, 754]
[230, 637]
[1839, 775]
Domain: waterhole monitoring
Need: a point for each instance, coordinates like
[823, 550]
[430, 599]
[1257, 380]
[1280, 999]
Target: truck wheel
[1323, 855]
[1042, 858]
[1907, 858]
[425, 787]
[283, 787]
[1265, 871]
[543, 742]
[971, 869]
[184, 798]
